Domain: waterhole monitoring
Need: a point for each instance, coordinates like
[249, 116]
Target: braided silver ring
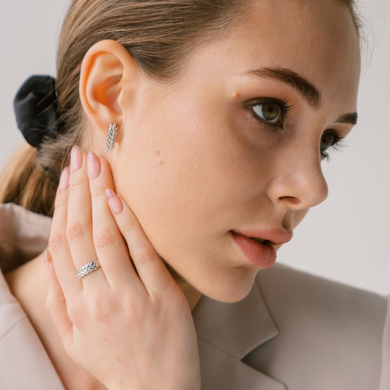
[87, 268]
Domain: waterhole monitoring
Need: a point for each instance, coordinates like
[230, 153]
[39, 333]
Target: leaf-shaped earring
[111, 137]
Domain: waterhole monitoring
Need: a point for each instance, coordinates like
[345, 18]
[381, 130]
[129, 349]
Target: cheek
[190, 172]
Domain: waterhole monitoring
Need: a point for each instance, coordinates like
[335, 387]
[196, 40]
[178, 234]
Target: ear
[109, 79]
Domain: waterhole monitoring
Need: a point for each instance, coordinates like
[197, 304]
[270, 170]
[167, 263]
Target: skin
[192, 150]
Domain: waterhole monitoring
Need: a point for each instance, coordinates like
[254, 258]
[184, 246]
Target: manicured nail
[114, 202]
[76, 158]
[93, 165]
[46, 263]
[64, 179]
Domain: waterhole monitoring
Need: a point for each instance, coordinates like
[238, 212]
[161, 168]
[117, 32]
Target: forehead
[316, 39]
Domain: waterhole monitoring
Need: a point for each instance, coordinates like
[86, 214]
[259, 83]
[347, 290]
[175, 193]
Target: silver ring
[87, 268]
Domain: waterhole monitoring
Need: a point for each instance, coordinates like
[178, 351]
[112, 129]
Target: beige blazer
[293, 331]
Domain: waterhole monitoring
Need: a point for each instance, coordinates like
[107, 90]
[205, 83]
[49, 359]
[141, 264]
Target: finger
[56, 304]
[110, 246]
[79, 229]
[58, 244]
[150, 267]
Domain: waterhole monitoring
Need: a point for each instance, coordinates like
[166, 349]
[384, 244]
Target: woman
[220, 113]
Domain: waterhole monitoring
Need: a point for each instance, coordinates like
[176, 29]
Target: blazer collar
[236, 328]
[227, 332]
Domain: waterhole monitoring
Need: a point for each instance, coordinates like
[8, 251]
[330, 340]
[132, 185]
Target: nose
[299, 182]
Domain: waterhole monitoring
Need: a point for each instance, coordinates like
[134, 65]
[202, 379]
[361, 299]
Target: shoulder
[335, 334]
[24, 234]
[289, 293]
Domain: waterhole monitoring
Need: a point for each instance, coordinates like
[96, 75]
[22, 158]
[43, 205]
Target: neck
[190, 292]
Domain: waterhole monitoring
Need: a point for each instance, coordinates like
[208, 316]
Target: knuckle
[134, 309]
[55, 242]
[97, 192]
[74, 232]
[75, 313]
[103, 239]
[60, 201]
[77, 184]
[145, 257]
[128, 227]
[98, 309]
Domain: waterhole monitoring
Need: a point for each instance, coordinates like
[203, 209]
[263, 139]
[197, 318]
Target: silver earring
[111, 137]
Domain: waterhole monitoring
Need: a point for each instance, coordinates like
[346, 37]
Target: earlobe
[102, 82]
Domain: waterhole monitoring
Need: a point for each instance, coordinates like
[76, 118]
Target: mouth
[258, 251]
[259, 246]
[259, 240]
[274, 237]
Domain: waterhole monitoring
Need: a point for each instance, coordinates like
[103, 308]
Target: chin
[230, 288]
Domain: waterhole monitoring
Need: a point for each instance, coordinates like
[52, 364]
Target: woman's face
[235, 146]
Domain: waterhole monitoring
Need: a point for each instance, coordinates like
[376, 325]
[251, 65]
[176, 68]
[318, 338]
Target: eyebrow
[348, 118]
[308, 91]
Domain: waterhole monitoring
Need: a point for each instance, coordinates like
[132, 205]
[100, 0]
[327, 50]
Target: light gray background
[347, 237]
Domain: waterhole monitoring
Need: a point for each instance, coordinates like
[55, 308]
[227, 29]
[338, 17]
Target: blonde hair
[159, 34]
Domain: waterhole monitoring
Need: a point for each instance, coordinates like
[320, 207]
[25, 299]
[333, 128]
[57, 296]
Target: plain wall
[346, 237]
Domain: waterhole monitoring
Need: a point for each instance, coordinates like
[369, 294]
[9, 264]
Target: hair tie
[35, 107]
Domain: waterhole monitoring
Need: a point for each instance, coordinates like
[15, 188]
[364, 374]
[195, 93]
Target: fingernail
[114, 202]
[76, 159]
[46, 263]
[93, 165]
[64, 179]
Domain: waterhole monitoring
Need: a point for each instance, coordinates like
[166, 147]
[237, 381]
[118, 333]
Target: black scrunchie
[35, 107]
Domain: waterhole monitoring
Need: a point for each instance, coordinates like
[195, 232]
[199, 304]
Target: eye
[327, 141]
[269, 112]
[332, 140]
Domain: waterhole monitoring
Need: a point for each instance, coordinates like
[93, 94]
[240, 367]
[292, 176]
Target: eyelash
[339, 141]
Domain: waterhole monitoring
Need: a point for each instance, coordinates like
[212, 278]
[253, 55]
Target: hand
[127, 323]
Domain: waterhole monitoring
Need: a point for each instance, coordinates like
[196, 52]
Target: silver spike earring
[111, 137]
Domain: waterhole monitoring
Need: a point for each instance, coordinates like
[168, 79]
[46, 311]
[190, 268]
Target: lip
[262, 255]
[275, 236]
